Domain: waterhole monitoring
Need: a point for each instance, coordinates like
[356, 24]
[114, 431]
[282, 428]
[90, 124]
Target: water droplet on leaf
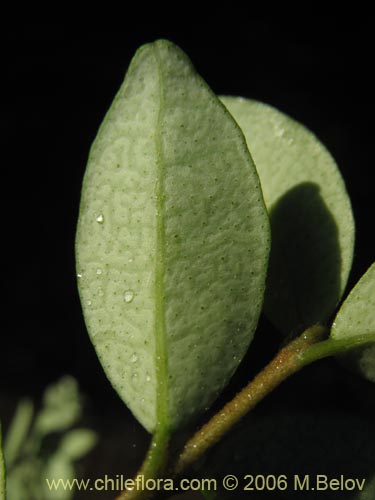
[128, 296]
[134, 358]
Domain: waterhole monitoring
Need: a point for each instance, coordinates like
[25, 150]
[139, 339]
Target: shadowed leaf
[311, 217]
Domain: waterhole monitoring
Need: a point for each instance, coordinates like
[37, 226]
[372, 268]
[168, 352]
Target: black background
[59, 83]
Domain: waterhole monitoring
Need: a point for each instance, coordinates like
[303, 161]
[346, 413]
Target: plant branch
[310, 346]
[334, 347]
[286, 362]
[153, 467]
[306, 349]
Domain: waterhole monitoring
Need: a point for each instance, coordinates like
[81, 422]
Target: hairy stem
[153, 467]
[310, 346]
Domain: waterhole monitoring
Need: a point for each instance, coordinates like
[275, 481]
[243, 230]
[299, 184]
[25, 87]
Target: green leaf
[312, 224]
[18, 430]
[357, 317]
[172, 241]
[58, 467]
[77, 443]
[2, 471]
[61, 407]
[24, 480]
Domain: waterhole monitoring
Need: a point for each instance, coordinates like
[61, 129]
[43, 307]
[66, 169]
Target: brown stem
[287, 362]
[307, 348]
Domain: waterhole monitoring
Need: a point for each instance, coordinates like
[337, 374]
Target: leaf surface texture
[172, 241]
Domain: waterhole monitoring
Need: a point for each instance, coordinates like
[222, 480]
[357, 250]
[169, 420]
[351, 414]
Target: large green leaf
[172, 241]
[2, 471]
[357, 317]
[311, 219]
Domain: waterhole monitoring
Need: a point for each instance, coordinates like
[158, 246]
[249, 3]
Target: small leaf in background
[18, 431]
[172, 241]
[77, 443]
[2, 470]
[58, 467]
[31, 456]
[61, 407]
[357, 317]
[312, 224]
[24, 480]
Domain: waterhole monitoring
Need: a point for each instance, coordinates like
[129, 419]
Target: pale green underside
[357, 317]
[172, 241]
[311, 219]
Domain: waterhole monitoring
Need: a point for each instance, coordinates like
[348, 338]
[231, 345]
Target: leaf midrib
[161, 363]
